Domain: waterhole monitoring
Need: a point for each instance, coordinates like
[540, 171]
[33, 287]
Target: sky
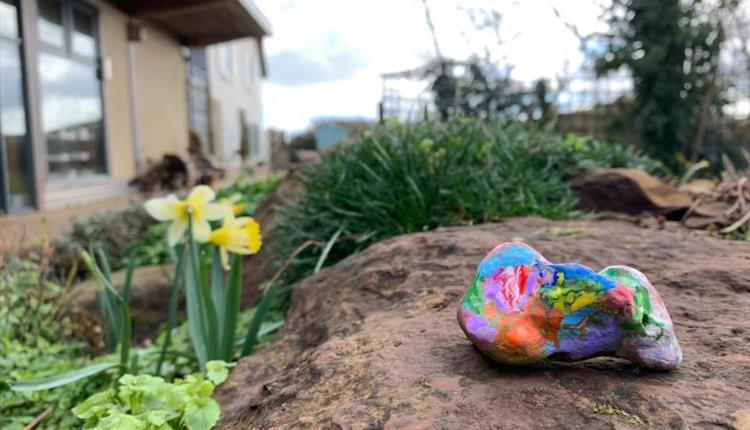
[326, 57]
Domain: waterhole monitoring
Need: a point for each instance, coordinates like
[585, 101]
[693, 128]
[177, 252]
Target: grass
[402, 179]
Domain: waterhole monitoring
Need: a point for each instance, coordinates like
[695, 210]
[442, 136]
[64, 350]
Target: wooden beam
[166, 8]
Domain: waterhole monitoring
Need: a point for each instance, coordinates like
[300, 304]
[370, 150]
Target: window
[16, 165]
[226, 62]
[254, 140]
[198, 99]
[70, 87]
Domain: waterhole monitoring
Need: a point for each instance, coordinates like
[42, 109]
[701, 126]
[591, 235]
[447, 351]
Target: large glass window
[71, 93]
[72, 116]
[16, 171]
[254, 140]
[199, 103]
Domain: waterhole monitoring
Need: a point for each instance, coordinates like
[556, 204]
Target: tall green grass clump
[400, 179]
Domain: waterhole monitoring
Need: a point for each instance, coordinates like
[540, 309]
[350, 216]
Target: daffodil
[198, 205]
[232, 203]
[238, 236]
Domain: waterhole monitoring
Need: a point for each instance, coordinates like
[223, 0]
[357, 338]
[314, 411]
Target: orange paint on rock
[490, 313]
[554, 321]
[524, 332]
[524, 335]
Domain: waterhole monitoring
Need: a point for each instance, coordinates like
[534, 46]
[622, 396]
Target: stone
[523, 310]
[372, 341]
[630, 191]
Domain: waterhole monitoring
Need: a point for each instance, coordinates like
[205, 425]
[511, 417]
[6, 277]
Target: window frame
[21, 45]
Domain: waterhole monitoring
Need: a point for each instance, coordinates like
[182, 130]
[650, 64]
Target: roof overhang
[201, 22]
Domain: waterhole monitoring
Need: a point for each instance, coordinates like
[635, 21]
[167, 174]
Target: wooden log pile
[174, 172]
[722, 204]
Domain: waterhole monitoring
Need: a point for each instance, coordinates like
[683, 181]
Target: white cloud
[366, 38]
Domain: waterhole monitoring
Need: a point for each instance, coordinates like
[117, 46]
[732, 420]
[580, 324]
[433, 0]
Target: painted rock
[521, 309]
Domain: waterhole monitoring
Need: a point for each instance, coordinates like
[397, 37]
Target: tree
[671, 48]
[478, 86]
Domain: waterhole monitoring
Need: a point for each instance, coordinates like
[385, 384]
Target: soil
[373, 341]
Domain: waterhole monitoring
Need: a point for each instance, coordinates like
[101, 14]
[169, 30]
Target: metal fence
[582, 104]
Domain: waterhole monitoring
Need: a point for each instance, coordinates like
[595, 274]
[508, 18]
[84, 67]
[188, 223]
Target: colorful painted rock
[521, 309]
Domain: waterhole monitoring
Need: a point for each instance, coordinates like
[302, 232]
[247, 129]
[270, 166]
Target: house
[92, 90]
[330, 132]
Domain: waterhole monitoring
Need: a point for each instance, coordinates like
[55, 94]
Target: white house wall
[232, 92]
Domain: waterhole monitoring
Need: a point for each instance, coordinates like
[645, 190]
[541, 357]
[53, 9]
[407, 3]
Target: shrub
[113, 232]
[402, 179]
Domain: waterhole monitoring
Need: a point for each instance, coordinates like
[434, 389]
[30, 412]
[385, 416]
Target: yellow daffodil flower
[198, 204]
[231, 203]
[238, 236]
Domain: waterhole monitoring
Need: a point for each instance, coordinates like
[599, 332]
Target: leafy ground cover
[401, 179]
[36, 337]
[33, 344]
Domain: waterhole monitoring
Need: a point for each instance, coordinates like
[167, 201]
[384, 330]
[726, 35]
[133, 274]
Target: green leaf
[128, 285]
[104, 262]
[260, 314]
[197, 324]
[126, 338]
[121, 421]
[174, 297]
[231, 308]
[202, 414]
[217, 371]
[95, 405]
[62, 379]
[217, 283]
[159, 417]
[107, 297]
[327, 249]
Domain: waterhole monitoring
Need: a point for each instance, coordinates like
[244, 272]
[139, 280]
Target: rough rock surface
[373, 342]
[635, 192]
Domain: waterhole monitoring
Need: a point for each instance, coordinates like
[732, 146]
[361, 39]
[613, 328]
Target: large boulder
[373, 341]
[630, 191]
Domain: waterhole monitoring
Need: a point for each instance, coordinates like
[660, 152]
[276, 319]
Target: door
[16, 164]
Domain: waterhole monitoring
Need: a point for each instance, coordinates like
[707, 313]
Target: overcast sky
[326, 56]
